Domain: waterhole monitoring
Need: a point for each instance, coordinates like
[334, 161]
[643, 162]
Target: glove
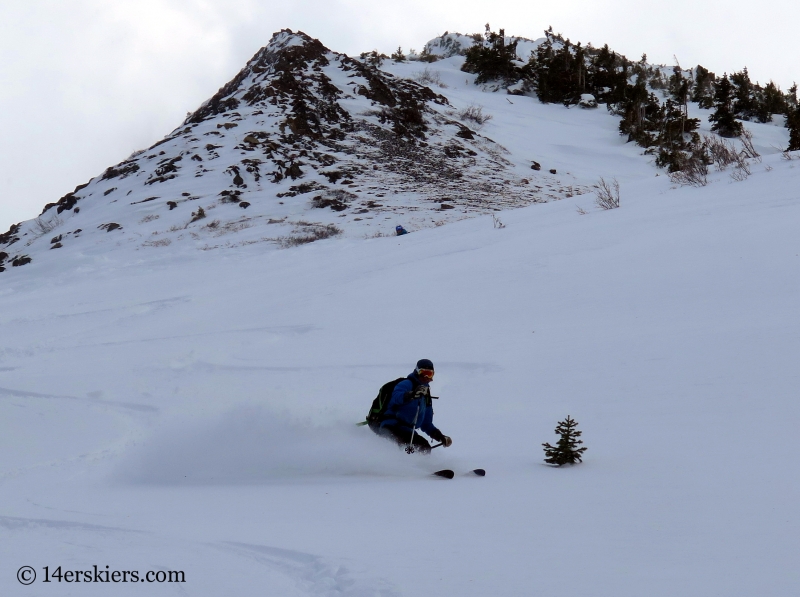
[446, 441]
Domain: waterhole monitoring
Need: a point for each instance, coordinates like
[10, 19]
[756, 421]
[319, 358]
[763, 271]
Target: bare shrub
[722, 152]
[748, 150]
[607, 194]
[161, 242]
[149, 218]
[694, 173]
[786, 155]
[429, 77]
[42, 227]
[198, 215]
[581, 211]
[739, 174]
[311, 233]
[475, 114]
[743, 164]
[236, 226]
[213, 224]
[496, 222]
[742, 169]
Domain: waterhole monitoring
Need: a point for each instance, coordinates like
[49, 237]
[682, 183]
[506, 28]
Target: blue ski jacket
[408, 395]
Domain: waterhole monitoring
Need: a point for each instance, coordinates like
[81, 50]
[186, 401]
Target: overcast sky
[83, 83]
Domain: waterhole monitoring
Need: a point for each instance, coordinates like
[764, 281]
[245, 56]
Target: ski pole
[410, 447]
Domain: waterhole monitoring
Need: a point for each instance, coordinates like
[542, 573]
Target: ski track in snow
[314, 575]
[278, 571]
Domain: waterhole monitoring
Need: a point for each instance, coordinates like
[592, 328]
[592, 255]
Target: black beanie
[425, 364]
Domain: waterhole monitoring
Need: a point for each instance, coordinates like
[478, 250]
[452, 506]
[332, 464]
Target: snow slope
[181, 410]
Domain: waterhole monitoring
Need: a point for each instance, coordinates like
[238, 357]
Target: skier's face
[425, 375]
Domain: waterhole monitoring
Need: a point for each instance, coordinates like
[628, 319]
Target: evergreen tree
[398, 56]
[608, 76]
[493, 60]
[373, 58]
[675, 136]
[677, 114]
[793, 123]
[559, 73]
[544, 68]
[679, 86]
[580, 71]
[703, 92]
[791, 98]
[657, 80]
[640, 68]
[641, 117]
[773, 102]
[566, 451]
[743, 92]
[725, 124]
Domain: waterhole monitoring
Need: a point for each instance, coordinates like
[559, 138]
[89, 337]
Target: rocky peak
[299, 130]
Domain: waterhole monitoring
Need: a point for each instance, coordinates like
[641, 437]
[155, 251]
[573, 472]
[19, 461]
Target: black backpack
[381, 401]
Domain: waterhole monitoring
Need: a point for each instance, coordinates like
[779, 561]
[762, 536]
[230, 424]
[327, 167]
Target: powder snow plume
[255, 445]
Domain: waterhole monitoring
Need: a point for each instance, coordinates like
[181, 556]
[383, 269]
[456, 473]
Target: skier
[409, 409]
[399, 230]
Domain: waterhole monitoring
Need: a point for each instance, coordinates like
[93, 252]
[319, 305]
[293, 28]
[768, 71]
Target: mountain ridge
[299, 131]
[305, 143]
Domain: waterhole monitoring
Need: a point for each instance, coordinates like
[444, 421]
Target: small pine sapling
[566, 451]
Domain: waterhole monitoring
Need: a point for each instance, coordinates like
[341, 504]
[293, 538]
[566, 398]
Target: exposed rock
[123, 170]
[21, 260]
[10, 237]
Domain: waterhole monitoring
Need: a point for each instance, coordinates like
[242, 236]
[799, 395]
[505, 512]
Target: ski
[449, 474]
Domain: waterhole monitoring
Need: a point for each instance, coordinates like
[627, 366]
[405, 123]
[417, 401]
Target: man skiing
[410, 408]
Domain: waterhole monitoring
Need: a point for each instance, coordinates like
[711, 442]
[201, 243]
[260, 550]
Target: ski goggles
[426, 373]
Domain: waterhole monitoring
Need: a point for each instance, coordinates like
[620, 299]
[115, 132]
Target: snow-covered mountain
[303, 141]
[188, 415]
